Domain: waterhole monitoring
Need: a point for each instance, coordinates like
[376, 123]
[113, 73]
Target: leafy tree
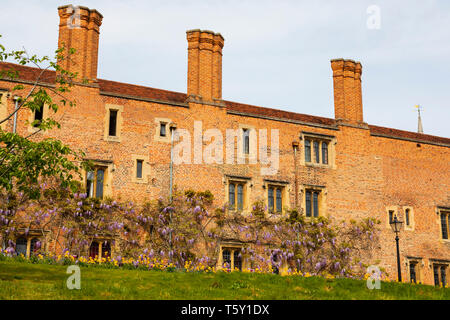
[24, 160]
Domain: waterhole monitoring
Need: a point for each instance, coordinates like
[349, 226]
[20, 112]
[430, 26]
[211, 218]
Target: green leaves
[25, 163]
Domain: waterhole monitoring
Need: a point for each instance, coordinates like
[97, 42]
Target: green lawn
[20, 280]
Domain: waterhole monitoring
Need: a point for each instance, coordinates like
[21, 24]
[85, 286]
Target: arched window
[21, 246]
[106, 249]
[93, 250]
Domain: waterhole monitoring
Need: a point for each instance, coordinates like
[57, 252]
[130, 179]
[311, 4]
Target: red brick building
[337, 167]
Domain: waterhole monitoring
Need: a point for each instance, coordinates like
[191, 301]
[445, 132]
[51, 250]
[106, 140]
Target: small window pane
[443, 277]
[99, 183]
[391, 216]
[162, 130]
[279, 203]
[412, 272]
[271, 200]
[436, 275]
[407, 217]
[21, 246]
[38, 115]
[316, 152]
[240, 196]
[231, 196]
[139, 169]
[316, 204]
[33, 245]
[106, 249]
[324, 152]
[226, 257]
[246, 134]
[308, 203]
[93, 250]
[112, 122]
[307, 151]
[444, 226]
[90, 183]
[237, 260]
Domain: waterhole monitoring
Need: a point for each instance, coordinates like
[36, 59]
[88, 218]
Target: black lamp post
[396, 226]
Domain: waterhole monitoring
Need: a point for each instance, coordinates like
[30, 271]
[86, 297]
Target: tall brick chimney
[79, 28]
[204, 65]
[347, 91]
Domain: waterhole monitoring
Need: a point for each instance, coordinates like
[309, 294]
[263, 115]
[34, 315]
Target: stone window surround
[439, 211]
[146, 168]
[240, 143]
[247, 185]
[412, 224]
[395, 210]
[169, 123]
[285, 187]
[45, 115]
[438, 262]
[31, 235]
[119, 122]
[232, 246]
[420, 264]
[107, 180]
[331, 140]
[100, 242]
[322, 199]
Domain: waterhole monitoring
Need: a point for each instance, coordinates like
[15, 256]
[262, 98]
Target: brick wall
[372, 168]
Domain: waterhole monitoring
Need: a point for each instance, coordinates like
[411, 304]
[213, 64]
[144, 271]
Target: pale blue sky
[277, 53]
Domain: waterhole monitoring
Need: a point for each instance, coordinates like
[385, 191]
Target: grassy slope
[28, 281]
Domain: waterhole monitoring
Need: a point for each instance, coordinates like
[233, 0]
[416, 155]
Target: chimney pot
[205, 64]
[79, 28]
[347, 90]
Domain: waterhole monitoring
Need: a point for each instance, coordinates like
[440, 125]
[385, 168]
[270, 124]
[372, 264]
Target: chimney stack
[204, 65]
[79, 28]
[347, 91]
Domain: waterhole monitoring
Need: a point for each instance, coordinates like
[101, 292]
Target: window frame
[308, 151]
[28, 241]
[94, 181]
[163, 133]
[395, 213]
[315, 154]
[39, 111]
[411, 226]
[444, 213]
[236, 183]
[169, 126]
[139, 169]
[311, 206]
[112, 112]
[278, 201]
[246, 141]
[118, 122]
[233, 249]
[442, 273]
[416, 264]
[97, 245]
